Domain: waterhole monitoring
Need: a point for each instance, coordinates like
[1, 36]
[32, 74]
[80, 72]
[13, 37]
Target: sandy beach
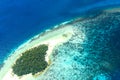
[52, 38]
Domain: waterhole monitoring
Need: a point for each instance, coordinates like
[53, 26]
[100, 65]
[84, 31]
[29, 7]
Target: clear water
[22, 19]
[91, 54]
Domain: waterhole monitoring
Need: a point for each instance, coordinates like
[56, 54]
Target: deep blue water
[22, 19]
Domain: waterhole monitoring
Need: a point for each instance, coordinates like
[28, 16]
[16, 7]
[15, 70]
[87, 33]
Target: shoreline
[52, 38]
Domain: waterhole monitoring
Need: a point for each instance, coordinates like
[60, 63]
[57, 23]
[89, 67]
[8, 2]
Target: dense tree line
[31, 61]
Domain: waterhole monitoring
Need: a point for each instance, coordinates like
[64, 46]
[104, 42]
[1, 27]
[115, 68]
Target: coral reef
[91, 54]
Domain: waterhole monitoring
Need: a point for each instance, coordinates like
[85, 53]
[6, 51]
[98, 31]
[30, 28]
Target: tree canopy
[31, 61]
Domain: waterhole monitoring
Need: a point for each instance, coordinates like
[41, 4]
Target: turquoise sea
[20, 20]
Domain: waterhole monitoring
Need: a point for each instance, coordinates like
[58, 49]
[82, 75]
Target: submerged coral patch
[92, 53]
[87, 48]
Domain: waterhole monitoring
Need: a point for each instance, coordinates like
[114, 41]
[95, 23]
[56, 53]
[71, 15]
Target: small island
[31, 61]
[86, 48]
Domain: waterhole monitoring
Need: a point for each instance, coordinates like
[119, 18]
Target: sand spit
[52, 38]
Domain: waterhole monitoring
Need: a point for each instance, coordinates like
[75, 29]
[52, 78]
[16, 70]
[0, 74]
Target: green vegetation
[31, 61]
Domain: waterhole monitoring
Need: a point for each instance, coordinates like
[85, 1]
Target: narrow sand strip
[51, 38]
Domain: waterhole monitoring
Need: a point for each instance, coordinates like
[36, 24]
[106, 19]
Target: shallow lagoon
[93, 51]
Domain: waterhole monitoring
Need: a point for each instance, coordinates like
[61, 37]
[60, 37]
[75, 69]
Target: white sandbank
[52, 38]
